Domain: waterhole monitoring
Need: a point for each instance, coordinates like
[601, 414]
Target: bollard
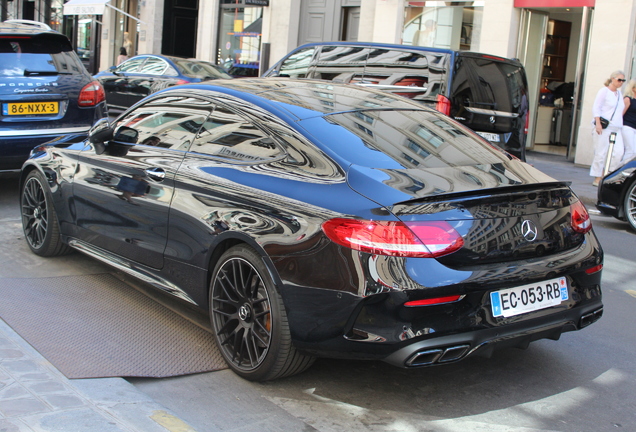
[610, 150]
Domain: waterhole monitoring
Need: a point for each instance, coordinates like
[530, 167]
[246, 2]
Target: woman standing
[122, 57]
[629, 122]
[608, 105]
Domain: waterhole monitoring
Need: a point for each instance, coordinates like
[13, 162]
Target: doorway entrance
[553, 48]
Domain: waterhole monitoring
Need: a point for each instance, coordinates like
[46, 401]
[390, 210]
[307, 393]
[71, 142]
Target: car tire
[249, 319]
[39, 220]
[629, 205]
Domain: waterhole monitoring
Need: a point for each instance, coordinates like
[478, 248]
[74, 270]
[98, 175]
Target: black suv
[45, 90]
[484, 92]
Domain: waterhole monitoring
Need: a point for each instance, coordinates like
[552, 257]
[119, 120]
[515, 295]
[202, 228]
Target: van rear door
[489, 95]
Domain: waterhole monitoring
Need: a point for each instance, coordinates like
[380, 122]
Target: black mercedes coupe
[316, 219]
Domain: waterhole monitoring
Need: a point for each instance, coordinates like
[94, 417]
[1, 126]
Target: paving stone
[22, 407]
[60, 401]
[10, 353]
[9, 426]
[81, 420]
[4, 342]
[44, 387]
[13, 390]
[36, 376]
[21, 366]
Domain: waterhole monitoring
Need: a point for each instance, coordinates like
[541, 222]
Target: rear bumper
[16, 146]
[448, 349]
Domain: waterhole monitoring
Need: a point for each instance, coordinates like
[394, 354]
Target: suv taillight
[91, 95]
[411, 239]
[443, 104]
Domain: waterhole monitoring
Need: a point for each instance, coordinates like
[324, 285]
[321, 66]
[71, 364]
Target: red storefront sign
[554, 3]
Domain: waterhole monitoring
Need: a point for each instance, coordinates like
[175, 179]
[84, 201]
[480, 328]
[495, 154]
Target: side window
[170, 71]
[227, 135]
[297, 64]
[154, 66]
[341, 63]
[168, 122]
[131, 65]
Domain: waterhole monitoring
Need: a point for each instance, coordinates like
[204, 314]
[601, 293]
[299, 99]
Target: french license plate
[489, 136]
[528, 298]
[30, 108]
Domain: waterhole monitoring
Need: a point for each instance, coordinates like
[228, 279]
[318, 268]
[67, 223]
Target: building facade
[568, 47]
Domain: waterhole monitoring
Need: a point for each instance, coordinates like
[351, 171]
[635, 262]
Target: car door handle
[156, 174]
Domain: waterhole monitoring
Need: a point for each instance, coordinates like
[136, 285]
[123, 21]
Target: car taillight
[411, 239]
[594, 269]
[525, 129]
[443, 104]
[182, 81]
[580, 218]
[91, 95]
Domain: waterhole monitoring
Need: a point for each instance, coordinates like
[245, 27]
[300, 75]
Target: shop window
[436, 24]
[240, 33]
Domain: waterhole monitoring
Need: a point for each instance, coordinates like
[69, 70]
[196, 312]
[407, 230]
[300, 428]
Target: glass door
[532, 37]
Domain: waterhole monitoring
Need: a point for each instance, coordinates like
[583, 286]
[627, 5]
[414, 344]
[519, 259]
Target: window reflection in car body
[484, 92]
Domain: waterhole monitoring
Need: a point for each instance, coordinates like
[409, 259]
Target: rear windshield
[490, 84]
[38, 56]
[412, 139]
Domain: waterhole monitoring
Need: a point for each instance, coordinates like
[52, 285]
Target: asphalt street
[583, 382]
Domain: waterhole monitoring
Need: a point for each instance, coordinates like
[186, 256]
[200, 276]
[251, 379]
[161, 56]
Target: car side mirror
[99, 134]
[113, 70]
[126, 135]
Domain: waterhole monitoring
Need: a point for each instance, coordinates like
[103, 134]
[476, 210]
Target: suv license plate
[30, 108]
[528, 298]
[489, 136]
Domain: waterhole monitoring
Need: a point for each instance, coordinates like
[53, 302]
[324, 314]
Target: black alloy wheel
[629, 206]
[249, 319]
[39, 220]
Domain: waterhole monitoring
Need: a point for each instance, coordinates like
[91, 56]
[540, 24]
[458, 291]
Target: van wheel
[249, 319]
[39, 219]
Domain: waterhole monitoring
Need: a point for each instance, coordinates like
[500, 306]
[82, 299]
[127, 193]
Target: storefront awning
[85, 7]
[92, 7]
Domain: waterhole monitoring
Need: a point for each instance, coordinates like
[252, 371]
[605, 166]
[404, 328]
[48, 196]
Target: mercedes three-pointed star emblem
[529, 230]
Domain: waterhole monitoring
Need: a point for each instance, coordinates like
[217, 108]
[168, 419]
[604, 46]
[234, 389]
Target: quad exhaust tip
[590, 318]
[436, 356]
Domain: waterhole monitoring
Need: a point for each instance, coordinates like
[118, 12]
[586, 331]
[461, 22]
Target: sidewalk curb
[35, 396]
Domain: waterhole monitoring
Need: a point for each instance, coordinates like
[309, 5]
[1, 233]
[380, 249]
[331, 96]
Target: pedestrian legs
[629, 140]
